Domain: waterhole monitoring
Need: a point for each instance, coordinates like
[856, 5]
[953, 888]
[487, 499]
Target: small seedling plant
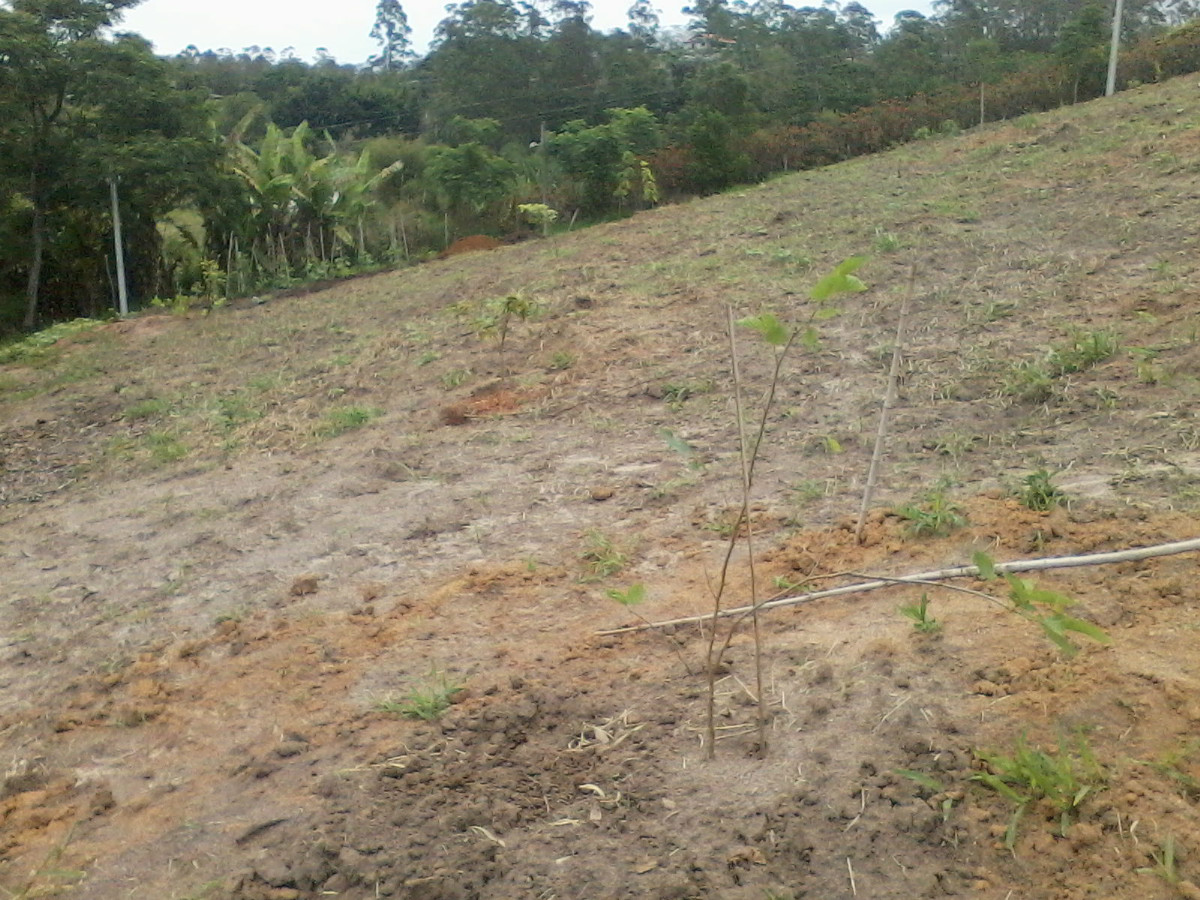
[1038, 492]
[936, 516]
[426, 701]
[779, 338]
[918, 613]
[499, 314]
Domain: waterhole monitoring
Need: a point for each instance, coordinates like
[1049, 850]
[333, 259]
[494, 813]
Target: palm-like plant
[300, 207]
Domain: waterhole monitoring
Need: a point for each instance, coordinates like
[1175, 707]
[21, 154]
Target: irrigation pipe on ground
[1020, 565]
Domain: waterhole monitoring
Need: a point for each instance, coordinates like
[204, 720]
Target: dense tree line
[237, 171]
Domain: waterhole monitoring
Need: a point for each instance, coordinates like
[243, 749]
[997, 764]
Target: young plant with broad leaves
[779, 338]
[1044, 608]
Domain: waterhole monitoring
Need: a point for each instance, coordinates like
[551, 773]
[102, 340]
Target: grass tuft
[426, 701]
[347, 418]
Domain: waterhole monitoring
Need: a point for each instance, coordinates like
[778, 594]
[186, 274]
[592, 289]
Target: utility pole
[118, 244]
[1114, 48]
[542, 160]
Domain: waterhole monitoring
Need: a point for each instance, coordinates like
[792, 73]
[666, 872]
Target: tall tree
[393, 33]
[42, 46]
[484, 64]
[643, 21]
[570, 63]
[79, 108]
[1081, 47]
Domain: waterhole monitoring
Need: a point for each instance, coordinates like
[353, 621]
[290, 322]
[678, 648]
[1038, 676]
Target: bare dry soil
[237, 546]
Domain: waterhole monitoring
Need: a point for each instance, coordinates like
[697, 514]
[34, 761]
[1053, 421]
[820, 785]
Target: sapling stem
[746, 456]
[889, 397]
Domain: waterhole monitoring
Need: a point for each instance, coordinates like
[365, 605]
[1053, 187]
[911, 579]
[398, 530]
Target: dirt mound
[470, 244]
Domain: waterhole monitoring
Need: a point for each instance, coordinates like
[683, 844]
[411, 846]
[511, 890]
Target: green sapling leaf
[925, 781]
[1079, 626]
[840, 281]
[999, 786]
[772, 330]
[1061, 641]
[850, 265]
[986, 566]
[1019, 591]
[634, 595]
[1052, 599]
[676, 443]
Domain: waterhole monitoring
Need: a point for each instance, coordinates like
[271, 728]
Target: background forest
[240, 173]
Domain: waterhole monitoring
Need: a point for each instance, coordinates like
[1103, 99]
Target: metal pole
[1114, 48]
[122, 295]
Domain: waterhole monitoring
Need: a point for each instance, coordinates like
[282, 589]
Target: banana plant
[301, 206]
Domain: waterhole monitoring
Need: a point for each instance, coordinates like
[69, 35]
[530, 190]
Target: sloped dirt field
[233, 546]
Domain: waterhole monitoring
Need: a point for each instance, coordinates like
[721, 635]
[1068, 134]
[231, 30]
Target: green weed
[919, 614]
[454, 378]
[886, 241]
[602, 558]
[994, 310]
[1063, 778]
[825, 443]
[347, 418]
[1164, 863]
[150, 408]
[807, 490]
[685, 450]
[234, 410]
[1106, 398]
[677, 393]
[1028, 382]
[165, 447]
[1037, 492]
[427, 701]
[956, 444]
[35, 345]
[926, 781]
[1084, 350]
[791, 259]
[561, 361]
[1033, 381]
[1148, 372]
[1173, 765]
[935, 516]
[783, 583]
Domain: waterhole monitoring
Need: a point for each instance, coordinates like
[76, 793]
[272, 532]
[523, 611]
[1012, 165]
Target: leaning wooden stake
[1021, 565]
[889, 397]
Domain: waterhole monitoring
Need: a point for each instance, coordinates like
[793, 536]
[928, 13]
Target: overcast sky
[343, 27]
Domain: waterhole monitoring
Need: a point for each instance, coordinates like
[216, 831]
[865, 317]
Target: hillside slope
[234, 545]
